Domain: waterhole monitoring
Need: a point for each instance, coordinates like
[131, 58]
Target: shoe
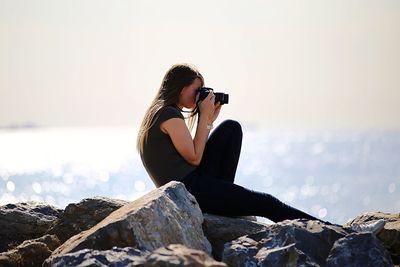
[372, 227]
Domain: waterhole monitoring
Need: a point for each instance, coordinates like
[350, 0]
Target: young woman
[206, 163]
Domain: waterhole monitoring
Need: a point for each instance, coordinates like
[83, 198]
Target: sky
[285, 64]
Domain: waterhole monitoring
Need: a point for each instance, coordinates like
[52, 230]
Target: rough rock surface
[23, 221]
[359, 249]
[174, 255]
[78, 217]
[390, 235]
[167, 215]
[220, 229]
[113, 257]
[31, 252]
[288, 243]
[166, 228]
[177, 255]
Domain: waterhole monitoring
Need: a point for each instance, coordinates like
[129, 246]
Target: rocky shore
[167, 228]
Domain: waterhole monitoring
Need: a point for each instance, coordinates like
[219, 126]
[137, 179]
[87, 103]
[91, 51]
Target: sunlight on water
[37, 188]
[392, 188]
[332, 175]
[10, 186]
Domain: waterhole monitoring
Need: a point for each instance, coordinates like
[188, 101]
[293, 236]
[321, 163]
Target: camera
[219, 97]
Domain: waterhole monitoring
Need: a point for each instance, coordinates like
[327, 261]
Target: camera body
[219, 97]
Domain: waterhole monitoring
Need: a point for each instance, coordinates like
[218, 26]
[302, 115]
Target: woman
[205, 164]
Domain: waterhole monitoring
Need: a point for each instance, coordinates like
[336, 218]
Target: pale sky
[286, 64]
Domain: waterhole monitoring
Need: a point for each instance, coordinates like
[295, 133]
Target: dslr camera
[219, 97]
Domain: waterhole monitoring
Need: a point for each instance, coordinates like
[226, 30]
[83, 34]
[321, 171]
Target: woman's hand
[217, 109]
[207, 105]
[209, 109]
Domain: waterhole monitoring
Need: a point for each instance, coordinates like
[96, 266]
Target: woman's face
[188, 96]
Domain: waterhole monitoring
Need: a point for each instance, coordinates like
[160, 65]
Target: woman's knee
[233, 126]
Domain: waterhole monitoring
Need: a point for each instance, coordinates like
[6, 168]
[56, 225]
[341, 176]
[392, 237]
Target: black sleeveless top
[160, 158]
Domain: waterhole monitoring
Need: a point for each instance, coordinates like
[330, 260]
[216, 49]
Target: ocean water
[334, 175]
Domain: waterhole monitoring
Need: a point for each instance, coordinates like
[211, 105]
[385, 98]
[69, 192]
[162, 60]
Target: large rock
[101, 258]
[177, 255]
[167, 215]
[390, 235]
[78, 217]
[220, 229]
[23, 221]
[174, 255]
[30, 253]
[288, 243]
[359, 249]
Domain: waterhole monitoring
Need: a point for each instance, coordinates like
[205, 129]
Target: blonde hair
[176, 78]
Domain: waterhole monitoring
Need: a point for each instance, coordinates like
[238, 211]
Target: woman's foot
[371, 227]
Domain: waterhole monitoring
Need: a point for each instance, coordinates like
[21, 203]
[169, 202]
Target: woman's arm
[192, 149]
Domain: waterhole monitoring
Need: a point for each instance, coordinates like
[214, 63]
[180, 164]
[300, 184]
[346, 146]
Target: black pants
[212, 183]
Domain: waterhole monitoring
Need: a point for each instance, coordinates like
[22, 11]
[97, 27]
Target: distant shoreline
[20, 126]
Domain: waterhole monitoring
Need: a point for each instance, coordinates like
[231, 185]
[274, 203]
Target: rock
[81, 216]
[31, 252]
[288, 243]
[174, 255]
[114, 257]
[390, 235]
[177, 255]
[23, 221]
[359, 249]
[285, 256]
[167, 215]
[249, 218]
[220, 229]
[51, 241]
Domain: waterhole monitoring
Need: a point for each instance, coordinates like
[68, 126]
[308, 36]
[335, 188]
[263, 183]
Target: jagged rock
[30, 253]
[285, 256]
[248, 218]
[167, 215]
[23, 221]
[288, 243]
[177, 255]
[81, 216]
[174, 255]
[390, 235]
[95, 258]
[359, 249]
[220, 229]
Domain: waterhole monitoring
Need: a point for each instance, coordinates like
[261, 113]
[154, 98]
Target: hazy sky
[291, 64]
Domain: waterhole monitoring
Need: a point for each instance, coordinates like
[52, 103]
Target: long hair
[176, 78]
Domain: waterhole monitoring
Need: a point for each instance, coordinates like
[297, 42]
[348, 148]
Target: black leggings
[212, 183]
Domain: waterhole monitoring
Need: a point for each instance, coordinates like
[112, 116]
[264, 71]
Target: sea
[334, 175]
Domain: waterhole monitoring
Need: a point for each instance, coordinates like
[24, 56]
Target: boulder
[30, 253]
[101, 258]
[177, 255]
[220, 229]
[174, 255]
[289, 243]
[248, 218]
[359, 249]
[78, 217]
[24, 221]
[390, 235]
[166, 215]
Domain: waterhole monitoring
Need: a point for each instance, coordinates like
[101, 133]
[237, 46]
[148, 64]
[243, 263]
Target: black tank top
[160, 158]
